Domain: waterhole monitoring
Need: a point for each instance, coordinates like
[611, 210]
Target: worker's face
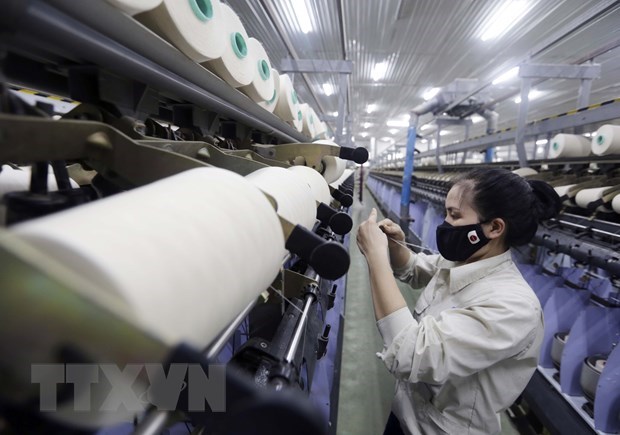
[458, 208]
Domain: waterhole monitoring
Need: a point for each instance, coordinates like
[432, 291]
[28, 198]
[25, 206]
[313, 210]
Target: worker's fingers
[373, 216]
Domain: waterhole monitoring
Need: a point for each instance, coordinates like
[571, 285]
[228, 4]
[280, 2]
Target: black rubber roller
[329, 259]
[340, 223]
[343, 198]
[358, 155]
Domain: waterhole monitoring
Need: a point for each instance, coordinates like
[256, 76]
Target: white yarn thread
[569, 145]
[292, 194]
[345, 175]
[287, 107]
[586, 196]
[172, 250]
[235, 70]
[133, 7]
[606, 140]
[270, 104]
[307, 120]
[262, 86]
[615, 204]
[563, 190]
[200, 37]
[316, 182]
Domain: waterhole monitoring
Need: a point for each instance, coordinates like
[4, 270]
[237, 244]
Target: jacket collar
[461, 275]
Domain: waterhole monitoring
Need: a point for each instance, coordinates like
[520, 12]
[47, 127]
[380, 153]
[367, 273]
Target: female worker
[472, 343]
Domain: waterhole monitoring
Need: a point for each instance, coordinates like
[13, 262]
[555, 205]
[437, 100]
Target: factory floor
[366, 387]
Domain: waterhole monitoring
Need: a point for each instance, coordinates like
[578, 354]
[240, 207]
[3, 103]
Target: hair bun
[547, 203]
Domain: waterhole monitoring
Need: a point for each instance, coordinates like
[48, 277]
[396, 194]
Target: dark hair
[520, 202]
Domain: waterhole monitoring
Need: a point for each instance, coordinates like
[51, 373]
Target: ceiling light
[531, 96]
[504, 18]
[364, 134]
[379, 70]
[386, 139]
[371, 108]
[430, 93]
[393, 130]
[334, 114]
[366, 125]
[303, 16]
[397, 123]
[541, 141]
[328, 89]
[443, 132]
[508, 75]
[426, 127]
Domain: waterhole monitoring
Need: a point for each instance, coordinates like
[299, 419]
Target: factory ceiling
[403, 49]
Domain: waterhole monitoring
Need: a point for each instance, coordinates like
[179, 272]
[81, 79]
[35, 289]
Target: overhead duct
[491, 117]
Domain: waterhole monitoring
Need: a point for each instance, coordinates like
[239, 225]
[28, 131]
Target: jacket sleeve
[460, 342]
[418, 270]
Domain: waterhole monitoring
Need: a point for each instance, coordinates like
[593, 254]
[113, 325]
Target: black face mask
[459, 243]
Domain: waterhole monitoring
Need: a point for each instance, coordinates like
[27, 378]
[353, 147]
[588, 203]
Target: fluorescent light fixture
[379, 70]
[505, 17]
[364, 134]
[541, 141]
[386, 139]
[303, 16]
[393, 130]
[531, 96]
[366, 125]
[397, 123]
[475, 118]
[352, 138]
[430, 93]
[444, 132]
[334, 114]
[401, 121]
[371, 108]
[512, 73]
[328, 89]
[426, 127]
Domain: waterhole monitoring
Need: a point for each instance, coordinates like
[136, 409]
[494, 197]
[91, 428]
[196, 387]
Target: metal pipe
[155, 421]
[214, 349]
[299, 329]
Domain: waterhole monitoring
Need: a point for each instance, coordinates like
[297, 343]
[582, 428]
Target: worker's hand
[393, 231]
[370, 239]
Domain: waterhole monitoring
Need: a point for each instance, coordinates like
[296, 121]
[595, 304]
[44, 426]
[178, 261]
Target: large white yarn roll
[615, 204]
[314, 123]
[133, 7]
[196, 27]
[287, 107]
[607, 140]
[563, 190]
[321, 130]
[237, 64]
[18, 180]
[263, 85]
[586, 196]
[333, 167]
[295, 201]
[315, 181]
[569, 145]
[346, 174]
[271, 103]
[187, 253]
[307, 120]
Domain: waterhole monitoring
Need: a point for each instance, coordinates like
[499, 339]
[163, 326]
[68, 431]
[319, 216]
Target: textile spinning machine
[174, 246]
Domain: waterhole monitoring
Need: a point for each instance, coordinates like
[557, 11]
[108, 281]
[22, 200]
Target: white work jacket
[469, 349]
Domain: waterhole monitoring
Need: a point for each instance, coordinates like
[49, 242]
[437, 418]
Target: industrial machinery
[254, 214]
[572, 264]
